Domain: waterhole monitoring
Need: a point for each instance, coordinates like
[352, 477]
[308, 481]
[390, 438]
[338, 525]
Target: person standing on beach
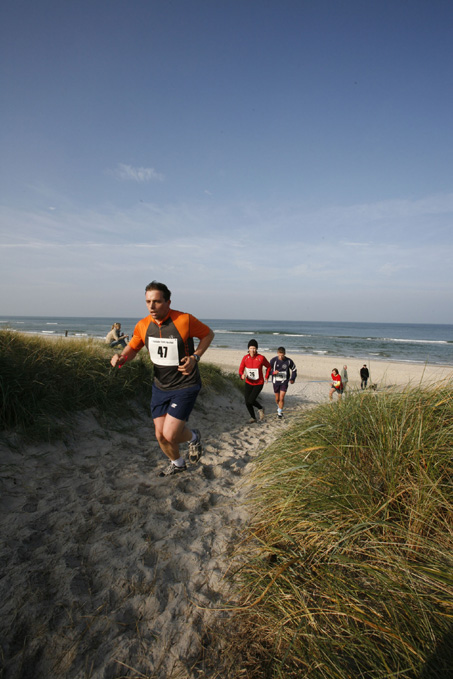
[336, 385]
[364, 375]
[283, 371]
[344, 377]
[168, 336]
[251, 370]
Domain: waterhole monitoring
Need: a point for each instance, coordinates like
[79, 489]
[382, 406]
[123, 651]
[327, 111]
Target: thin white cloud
[227, 250]
[137, 174]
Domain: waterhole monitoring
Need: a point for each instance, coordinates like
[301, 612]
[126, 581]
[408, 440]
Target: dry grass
[348, 567]
[45, 381]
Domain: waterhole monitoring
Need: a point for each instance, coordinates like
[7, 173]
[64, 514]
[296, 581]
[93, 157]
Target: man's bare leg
[170, 432]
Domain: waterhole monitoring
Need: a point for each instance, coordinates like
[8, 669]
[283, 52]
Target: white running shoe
[173, 469]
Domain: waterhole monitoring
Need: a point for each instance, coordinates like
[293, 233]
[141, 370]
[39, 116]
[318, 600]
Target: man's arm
[126, 355]
[267, 366]
[188, 363]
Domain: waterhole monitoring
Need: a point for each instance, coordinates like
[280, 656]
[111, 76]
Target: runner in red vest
[337, 385]
[251, 370]
[168, 336]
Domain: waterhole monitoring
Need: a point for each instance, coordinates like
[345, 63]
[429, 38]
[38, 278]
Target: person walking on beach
[364, 375]
[336, 385]
[168, 336]
[114, 338]
[283, 371]
[344, 377]
[251, 370]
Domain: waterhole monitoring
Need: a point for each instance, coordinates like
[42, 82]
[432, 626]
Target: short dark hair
[281, 350]
[155, 285]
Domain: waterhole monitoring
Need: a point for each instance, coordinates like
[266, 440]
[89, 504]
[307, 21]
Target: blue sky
[265, 159]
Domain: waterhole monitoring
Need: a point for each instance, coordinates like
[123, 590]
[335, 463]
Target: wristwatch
[196, 357]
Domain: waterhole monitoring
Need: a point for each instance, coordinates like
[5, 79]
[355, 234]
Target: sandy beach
[110, 571]
[318, 368]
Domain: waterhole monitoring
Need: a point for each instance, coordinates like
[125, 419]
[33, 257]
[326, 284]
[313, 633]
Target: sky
[266, 159]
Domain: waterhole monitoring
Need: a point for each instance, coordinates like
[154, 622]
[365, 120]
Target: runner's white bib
[280, 377]
[252, 373]
[163, 351]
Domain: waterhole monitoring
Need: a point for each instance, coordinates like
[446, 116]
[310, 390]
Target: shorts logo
[174, 405]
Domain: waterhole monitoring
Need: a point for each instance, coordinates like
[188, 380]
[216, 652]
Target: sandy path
[106, 566]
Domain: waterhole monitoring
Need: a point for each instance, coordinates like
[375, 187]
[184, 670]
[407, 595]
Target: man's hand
[187, 365]
[118, 360]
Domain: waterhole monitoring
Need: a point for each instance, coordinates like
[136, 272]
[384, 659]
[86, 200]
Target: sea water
[418, 343]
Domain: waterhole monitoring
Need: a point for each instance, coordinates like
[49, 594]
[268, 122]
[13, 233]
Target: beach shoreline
[314, 367]
[318, 368]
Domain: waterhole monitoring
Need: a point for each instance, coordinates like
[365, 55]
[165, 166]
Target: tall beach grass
[349, 565]
[44, 380]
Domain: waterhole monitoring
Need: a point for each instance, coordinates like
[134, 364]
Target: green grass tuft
[44, 380]
[349, 567]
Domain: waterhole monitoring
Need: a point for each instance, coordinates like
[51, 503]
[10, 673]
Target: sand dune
[109, 570]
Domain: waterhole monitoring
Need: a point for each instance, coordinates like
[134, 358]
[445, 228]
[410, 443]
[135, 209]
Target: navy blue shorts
[178, 403]
[280, 386]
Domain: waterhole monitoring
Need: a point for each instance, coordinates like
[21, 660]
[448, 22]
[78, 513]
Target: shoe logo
[174, 405]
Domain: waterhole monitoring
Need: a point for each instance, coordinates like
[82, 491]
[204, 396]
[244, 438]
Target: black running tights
[252, 392]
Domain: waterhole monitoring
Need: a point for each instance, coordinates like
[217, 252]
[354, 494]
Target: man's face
[280, 355]
[156, 304]
[252, 351]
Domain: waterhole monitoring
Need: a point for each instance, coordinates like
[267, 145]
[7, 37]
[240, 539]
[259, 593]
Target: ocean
[415, 343]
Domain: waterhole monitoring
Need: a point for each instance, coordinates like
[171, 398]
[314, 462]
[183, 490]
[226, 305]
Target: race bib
[163, 351]
[252, 373]
[280, 377]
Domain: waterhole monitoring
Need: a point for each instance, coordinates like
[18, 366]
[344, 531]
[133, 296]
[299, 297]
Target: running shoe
[195, 448]
[261, 414]
[280, 416]
[173, 469]
[252, 420]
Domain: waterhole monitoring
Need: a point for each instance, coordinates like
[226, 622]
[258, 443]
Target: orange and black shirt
[168, 342]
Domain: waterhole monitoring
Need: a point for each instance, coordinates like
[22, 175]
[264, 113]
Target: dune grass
[349, 566]
[45, 380]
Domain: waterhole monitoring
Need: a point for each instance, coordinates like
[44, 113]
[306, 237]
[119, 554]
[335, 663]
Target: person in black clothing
[364, 375]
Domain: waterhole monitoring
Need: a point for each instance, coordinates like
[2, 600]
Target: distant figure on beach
[344, 377]
[168, 336]
[364, 375]
[115, 338]
[251, 370]
[283, 371]
[336, 386]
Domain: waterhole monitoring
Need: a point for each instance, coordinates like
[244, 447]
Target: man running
[283, 370]
[336, 385]
[168, 335]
